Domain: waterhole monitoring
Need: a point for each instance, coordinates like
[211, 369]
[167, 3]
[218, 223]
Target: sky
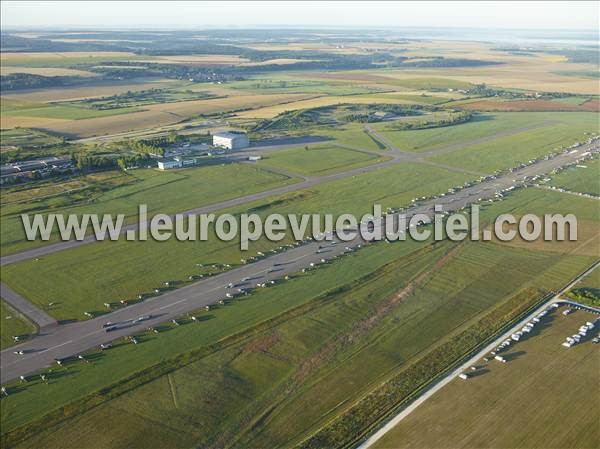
[497, 15]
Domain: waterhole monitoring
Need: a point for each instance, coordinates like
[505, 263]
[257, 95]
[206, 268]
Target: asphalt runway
[397, 156]
[61, 341]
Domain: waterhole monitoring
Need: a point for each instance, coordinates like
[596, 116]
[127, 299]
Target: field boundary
[476, 353]
[315, 440]
[153, 372]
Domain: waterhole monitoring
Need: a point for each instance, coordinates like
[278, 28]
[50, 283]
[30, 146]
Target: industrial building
[168, 163]
[231, 140]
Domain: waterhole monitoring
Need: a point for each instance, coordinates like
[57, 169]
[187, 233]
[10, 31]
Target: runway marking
[57, 346]
[172, 304]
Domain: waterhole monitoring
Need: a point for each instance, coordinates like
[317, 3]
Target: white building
[230, 140]
[166, 164]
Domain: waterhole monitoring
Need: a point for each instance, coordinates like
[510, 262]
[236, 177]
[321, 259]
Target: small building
[166, 164]
[231, 140]
[254, 158]
[463, 376]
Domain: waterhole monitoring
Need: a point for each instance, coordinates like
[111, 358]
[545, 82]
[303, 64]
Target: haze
[522, 15]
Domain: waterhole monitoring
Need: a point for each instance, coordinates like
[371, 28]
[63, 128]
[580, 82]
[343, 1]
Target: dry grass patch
[45, 71]
[587, 243]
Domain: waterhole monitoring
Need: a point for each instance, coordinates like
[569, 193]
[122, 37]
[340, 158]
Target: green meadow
[583, 179]
[164, 192]
[12, 324]
[63, 277]
[320, 160]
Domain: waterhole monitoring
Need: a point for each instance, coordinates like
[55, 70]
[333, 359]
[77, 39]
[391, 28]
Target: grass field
[543, 397]
[315, 361]
[61, 112]
[79, 188]
[283, 84]
[26, 138]
[580, 179]
[483, 125]
[146, 264]
[509, 151]
[167, 192]
[354, 135]
[320, 160]
[11, 324]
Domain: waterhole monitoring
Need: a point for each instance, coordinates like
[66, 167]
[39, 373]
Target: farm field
[59, 112]
[60, 59]
[532, 105]
[543, 389]
[343, 118]
[305, 359]
[272, 111]
[290, 84]
[580, 179]
[44, 71]
[93, 90]
[147, 264]
[320, 160]
[164, 192]
[154, 116]
[11, 324]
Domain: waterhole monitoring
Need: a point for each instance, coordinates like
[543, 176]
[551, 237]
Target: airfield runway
[397, 156]
[61, 341]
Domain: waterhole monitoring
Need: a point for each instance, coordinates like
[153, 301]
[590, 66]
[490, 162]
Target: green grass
[164, 192]
[262, 305]
[506, 405]
[430, 83]
[352, 134]
[225, 392]
[592, 280]
[579, 179]
[26, 138]
[300, 87]
[64, 277]
[482, 125]
[320, 160]
[64, 112]
[11, 324]
[509, 151]
[285, 369]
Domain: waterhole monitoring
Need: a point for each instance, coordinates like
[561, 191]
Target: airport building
[168, 163]
[230, 140]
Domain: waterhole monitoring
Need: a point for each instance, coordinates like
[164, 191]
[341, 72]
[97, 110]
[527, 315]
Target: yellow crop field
[272, 111]
[45, 71]
[153, 116]
[80, 92]
[7, 57]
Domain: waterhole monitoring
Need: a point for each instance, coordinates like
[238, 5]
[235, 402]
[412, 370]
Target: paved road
[397, 156]
[40, 318]
[472, 361]
[70, 339]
